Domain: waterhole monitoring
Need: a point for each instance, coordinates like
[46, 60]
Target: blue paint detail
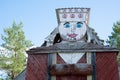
[79, 24]
[67, 25]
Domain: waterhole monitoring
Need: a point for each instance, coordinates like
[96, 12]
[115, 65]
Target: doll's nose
[73, 28]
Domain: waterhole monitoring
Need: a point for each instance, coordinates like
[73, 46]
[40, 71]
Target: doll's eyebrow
[79, 22]
[66, 23]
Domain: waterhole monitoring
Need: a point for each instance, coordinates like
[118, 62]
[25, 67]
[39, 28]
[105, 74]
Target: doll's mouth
[72, 35]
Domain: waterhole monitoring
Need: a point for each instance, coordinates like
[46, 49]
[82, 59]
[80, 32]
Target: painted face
[72, 31]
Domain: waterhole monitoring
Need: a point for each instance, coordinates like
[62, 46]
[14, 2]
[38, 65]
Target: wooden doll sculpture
[73, 51]
[72, 33]
[72, 28]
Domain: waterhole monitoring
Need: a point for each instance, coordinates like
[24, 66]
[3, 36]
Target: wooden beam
[71, 69]
[94, 65]
[53, 63]
[71, 51]
[89, 77]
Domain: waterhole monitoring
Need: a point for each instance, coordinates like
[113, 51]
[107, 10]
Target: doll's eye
[79, 24]
[67, 25]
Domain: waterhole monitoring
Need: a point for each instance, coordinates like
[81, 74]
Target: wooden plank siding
[107, 66]
[37, 67]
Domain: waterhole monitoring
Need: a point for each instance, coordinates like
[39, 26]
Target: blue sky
[39, 16]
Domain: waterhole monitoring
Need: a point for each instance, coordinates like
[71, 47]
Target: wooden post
[51, 60]
[94, 65]
[49, 63]
[54, 55]
[89, 77]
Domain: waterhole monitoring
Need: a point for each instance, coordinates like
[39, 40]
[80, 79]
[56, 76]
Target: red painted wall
[36, 67]
[107, 66]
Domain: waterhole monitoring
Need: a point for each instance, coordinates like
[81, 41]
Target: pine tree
[15, 41]
[114, 39]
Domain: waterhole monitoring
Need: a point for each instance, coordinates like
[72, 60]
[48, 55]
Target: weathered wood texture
[70, 48]
[54, 58]
[107, 67]
[89, 61]
[71, 77]
[37, 67]
[71, 69]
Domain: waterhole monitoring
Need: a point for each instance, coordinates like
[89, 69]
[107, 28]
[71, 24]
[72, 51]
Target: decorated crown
[72, 14]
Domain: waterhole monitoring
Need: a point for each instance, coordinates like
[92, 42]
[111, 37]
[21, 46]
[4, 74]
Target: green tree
[114, 39]
[15, 41]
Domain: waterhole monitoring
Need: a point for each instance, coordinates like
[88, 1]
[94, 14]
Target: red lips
[72, 35]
